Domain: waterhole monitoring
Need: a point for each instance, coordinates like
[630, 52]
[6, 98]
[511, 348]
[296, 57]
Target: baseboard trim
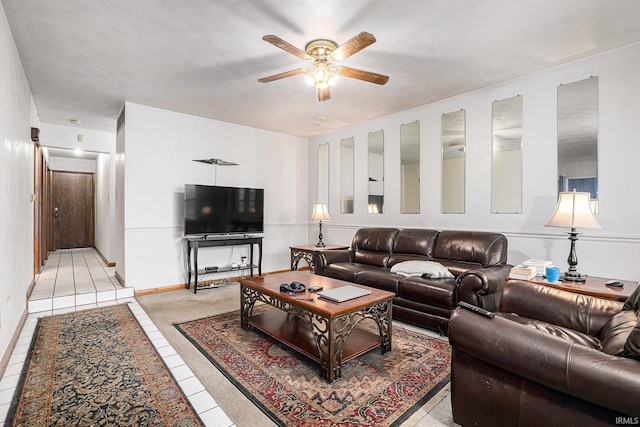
[104, 259]
[12, 343]
[30, 289]
[120, 279]
[184, 285]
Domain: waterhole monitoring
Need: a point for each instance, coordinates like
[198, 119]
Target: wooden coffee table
[322, 330]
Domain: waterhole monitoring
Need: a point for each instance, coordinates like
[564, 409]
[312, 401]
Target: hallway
[75, 278]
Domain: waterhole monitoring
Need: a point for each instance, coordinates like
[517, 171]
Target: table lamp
[573, 211]
[320, 213]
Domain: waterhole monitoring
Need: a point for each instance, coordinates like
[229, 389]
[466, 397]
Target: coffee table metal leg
[382, 315]
[248, 298]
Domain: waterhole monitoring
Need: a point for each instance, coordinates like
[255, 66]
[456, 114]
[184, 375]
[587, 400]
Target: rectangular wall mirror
[323, 173]
[578, 137]
[410, 168]
[346, 176]
[506, 167]
[453, 162]
[376, 172]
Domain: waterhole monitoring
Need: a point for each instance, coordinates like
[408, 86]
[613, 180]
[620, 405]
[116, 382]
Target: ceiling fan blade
[284, 45]
[324, 94]
[355, 45]
[282, 75]
[367, 76]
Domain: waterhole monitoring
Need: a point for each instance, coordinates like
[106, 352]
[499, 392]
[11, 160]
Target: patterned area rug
[97, 367]
[375, 389]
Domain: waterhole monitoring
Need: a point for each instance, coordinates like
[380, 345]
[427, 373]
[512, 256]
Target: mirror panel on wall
[346, 176]
[410, 168]
[376, 172]
[578, 137]
[453, 162]
[323, 173]
[506, 167]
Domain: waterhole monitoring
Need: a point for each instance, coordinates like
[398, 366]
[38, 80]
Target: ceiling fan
[324, 55]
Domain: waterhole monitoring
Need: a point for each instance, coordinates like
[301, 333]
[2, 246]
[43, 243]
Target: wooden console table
[594, 286]
[306, 252]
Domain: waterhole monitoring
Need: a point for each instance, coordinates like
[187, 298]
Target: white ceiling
[84, 59]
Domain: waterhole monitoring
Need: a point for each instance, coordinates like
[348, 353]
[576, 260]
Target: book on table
[539, 264]
[343, 293]
[522, 272]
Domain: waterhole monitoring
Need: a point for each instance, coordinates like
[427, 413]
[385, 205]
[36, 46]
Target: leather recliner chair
[549, 357]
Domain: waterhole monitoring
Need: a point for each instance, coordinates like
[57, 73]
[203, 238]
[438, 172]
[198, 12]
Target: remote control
[477, 309]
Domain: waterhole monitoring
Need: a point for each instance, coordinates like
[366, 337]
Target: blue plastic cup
[553, 274]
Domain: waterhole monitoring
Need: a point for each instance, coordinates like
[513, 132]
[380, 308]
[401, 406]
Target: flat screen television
[223, 210]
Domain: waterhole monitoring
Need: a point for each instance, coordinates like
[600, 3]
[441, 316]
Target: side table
[305, 252]
[594, 286]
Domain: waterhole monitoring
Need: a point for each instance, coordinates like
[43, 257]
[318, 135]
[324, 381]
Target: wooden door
[73, 216]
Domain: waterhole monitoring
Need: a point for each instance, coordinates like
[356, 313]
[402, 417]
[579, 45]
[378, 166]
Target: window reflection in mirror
[578, 137]
[506, 171]
[346, 176]
[323, 173]
[453, 162]
[410, 168]
[376, 172]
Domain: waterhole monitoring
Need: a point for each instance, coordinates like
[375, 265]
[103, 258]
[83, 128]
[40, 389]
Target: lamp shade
[320, 212]
[574, 211]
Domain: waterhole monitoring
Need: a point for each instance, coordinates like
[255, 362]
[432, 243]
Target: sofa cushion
[435, 292]
[566, 334]
[374, 239]
[379, 259]
[413, 241]
[379, 279]
[487, 249]
[427, 269]
[633, 302]
[343, 270]
[632, 346]
[615, 332]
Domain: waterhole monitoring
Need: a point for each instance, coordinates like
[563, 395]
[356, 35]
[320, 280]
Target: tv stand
[196, 242]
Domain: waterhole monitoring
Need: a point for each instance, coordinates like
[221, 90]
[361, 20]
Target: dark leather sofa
[549, 357]
[476, 259]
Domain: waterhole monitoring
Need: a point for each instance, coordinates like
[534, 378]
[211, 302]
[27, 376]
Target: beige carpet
[167, 308]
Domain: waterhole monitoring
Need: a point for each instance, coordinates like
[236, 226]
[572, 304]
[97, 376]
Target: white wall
[104, 167]
[159, 149]
[68, 164]
[610, 252]
[17, 116]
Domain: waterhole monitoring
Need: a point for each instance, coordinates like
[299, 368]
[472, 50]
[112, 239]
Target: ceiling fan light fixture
[321, 77]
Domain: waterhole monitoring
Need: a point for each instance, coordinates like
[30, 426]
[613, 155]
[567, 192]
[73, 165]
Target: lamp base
[573, 276]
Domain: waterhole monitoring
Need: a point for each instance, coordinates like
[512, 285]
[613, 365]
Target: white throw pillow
[430, 269]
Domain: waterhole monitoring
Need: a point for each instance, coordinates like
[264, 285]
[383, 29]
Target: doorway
[73, 212]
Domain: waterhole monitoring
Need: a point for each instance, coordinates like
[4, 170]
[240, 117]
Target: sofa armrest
[583, 313]
[323, 258]
[483, 286]
[579, 371]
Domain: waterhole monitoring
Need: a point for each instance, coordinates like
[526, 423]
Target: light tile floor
[78, 279]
